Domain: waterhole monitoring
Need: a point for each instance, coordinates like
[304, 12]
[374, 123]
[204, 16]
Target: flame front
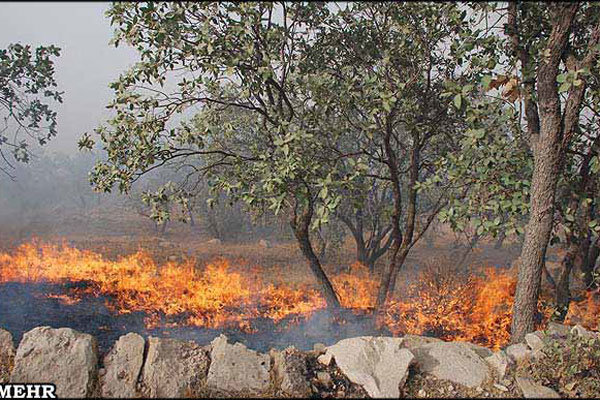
[476, 309]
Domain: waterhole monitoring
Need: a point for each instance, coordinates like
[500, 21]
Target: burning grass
[451, 305]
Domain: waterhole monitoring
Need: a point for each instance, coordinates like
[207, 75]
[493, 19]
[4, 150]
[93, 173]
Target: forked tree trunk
[547, 133]
[300, 223]
[402, 242]
[537, 236]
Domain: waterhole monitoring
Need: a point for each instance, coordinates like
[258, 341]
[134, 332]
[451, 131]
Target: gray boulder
[64, 357]
[535, 341]
[456, 362]
[412, 341]
[557, 330]
[290, 369]
[122, 367]
[174, 368]
[236, 369]
[499, 361]
[7, 354]
[532, 390]
[481, 351]
[518, 352]
[582, 332]
[378, 364]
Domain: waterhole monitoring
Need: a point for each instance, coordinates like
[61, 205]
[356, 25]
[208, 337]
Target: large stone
[378, 364]
[236, 369]
[580, 331]
[122, 367]
[456, 362]
[291, 372]
[557, 330]
[7, 354]
[481, 351]
[64, 357]
[412, 341]
[518, 352]
[535, 341]
[499, 362]
[174, 368]
[532, 390]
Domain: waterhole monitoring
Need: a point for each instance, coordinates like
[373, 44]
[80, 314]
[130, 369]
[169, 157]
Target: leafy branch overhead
[27, 93]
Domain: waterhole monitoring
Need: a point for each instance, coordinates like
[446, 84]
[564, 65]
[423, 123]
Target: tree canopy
[27, 93]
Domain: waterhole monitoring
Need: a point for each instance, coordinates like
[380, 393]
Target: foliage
[256, 135]
[27, 91]
[571, 367]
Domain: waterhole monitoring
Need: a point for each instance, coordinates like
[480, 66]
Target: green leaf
[458, 101]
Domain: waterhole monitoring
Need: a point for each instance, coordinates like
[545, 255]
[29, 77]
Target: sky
[87, 63]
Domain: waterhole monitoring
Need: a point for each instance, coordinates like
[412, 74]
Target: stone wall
[355, 367]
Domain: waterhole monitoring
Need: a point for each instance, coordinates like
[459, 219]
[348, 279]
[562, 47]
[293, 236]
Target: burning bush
[453, 305]
[449, 304]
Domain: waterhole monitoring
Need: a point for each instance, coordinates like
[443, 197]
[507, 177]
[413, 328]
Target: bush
[571, 366]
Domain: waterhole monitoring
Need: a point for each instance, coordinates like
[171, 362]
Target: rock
[291, 370]
[378, 364]
[532, 390]
[501, 388]
[319, 348]
[174, 368]
[122, 367]
[455, 362]
[64, 357]
[557, 330]
[7, 355]
[264, 243]
[412, 341]
[535, 341]
[580, 331]
[235, 368]
[173, 258]
[518, 352]
[214, 241]
[499, 362]
[324, 378]
[481, 351]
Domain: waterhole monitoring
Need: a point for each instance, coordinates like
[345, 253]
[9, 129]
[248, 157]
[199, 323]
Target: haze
[87, 63]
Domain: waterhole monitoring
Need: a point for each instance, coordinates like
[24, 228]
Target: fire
[447, 304]
[213, 297]
[585, 312]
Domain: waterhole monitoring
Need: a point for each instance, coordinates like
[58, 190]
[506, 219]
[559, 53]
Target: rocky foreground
[560, 361]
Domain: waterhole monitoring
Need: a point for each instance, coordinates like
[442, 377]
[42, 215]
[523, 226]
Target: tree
[27, 91]
[551, 123]
[542, 61]
[387, 64]
[365, 212]
[259, 134]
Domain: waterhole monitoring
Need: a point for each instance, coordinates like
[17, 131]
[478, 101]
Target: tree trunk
[472, 243]
[300, 224]
[546, 142]
[563, 292]
[588, 267]
[402, 243]
[500, 241]
[537, 235]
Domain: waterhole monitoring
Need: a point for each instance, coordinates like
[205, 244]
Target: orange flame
[475, 308]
